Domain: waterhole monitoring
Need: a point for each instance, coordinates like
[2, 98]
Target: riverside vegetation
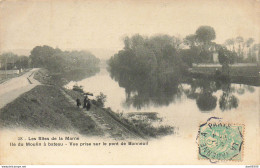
[45, 107]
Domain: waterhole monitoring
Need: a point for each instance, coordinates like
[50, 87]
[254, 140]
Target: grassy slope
[45, 107]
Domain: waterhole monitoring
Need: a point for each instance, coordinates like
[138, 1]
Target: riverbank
[52, 107]
[44, 107]
[238, 73]
[60, 79]
[246, 80]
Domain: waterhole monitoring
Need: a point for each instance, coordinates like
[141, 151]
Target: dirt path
[111, 127]
[13, 88]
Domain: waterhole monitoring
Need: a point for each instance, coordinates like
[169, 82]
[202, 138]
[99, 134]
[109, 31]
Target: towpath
[111, 126]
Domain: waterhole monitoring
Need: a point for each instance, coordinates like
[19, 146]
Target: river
[185, 107]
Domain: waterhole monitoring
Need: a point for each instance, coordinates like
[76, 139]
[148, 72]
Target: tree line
[56, 60]
[163, 53]
[245, 49]
[53, 59]
[201, 48]
[12, 61]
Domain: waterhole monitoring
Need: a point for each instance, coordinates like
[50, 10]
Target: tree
[190, 40]
[230, 43]
[190, 56]
[127, 42]
[201, 41]
[205, 56]
[22, 62]
[8, 60]
[205, 34]
[177, 41]
[250, 56]
[40, 55]
[224, 60]
[240, 42]
[255, 50]
[249, 42]
[137, 40]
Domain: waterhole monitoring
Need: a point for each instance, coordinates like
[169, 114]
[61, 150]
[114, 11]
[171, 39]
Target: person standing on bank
[88, 105]
[78, 102]
[85, 102]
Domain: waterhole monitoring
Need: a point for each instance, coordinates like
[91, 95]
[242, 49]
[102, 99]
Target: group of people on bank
[86, 101]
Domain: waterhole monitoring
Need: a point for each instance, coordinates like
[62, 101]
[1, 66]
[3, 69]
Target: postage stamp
[218, 141]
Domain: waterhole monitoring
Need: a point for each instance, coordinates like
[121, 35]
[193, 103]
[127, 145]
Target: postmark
[218, 141]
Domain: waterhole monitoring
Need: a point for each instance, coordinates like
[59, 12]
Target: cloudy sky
[101, 24]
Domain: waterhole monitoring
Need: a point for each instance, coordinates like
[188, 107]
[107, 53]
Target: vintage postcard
[127, 82]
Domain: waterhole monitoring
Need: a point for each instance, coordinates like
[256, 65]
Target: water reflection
[202, 91]
[144, 92]
[228, 100]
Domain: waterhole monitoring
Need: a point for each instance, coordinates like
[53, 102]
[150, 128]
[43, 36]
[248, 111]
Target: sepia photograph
[127, 82]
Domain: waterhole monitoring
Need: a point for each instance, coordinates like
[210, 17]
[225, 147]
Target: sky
[100, 25]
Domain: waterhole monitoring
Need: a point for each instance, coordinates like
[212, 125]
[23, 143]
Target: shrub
[100, 100]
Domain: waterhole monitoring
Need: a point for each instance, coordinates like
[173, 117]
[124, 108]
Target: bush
[100, 100]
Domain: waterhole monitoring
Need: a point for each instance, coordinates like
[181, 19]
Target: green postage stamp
[219, 141]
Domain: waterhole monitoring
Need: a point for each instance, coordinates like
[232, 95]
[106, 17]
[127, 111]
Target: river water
[185, 107]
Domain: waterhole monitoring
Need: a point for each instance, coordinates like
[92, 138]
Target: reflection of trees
[241, 90]
[206, 102]
[161, 90]
[227, 100]
[249, 88]
[202, 91]
[140, 92]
